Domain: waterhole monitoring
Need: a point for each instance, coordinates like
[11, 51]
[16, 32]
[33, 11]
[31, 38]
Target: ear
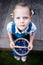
[32, 12]
[11, 15]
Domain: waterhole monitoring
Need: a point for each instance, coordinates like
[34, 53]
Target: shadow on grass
[34, 58]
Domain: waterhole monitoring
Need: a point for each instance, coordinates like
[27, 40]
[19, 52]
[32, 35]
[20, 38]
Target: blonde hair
[24, 4]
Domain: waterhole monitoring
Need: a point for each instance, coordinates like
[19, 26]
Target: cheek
[27, 21]
[15, 20]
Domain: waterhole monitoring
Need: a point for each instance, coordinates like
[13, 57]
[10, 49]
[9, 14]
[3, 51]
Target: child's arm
[32, 35]
[31, 41]
[11, 40]
[32, 38]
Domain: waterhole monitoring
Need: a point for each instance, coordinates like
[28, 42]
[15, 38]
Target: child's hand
[30, 46]
[12, 44]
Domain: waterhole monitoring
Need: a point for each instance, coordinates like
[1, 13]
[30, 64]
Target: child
[21, 24]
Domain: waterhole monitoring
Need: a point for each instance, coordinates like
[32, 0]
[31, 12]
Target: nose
[21, 21]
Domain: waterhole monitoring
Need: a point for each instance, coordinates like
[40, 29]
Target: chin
[22, 29]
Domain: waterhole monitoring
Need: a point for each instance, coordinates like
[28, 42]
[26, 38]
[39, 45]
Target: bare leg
[24, 58]
[17, 58]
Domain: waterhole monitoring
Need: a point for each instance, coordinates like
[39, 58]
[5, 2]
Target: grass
[34, 58]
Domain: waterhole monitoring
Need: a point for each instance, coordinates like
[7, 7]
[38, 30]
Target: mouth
[21, 25]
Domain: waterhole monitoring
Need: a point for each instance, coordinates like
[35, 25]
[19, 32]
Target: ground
[34, 58]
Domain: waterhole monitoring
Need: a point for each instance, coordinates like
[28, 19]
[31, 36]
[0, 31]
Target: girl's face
[22, 17]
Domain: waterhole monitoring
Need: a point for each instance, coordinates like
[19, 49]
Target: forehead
[19, 10]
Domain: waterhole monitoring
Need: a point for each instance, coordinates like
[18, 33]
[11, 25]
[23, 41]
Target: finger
[29, 48]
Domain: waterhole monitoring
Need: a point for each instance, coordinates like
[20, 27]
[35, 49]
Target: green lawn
[35, 58]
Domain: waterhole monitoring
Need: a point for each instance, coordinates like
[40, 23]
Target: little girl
[21, 24]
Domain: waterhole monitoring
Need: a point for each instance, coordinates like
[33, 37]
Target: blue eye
[25, 17]
[18, 17]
